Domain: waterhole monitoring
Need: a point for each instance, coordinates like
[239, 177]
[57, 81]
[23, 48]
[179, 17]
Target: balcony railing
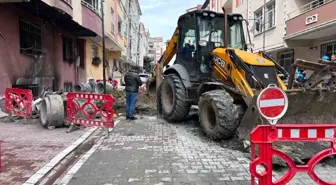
[94, 5]
[308, 7]
[68, 2]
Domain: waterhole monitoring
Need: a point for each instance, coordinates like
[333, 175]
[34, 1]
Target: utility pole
[264, 25]
[103, 37]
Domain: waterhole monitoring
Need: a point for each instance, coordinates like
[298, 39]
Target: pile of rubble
[146, 104]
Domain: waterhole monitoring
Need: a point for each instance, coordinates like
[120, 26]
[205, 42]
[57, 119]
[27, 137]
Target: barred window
[68, 49]
[30, 38]
[328, 49]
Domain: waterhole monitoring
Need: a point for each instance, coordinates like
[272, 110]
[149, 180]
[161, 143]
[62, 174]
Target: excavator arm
[170, 50]
[163, 61]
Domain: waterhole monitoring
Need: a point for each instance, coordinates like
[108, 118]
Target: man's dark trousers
[131, 100]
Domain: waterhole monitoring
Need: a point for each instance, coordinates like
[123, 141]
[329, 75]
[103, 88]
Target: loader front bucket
[314, 107]
[151, 88]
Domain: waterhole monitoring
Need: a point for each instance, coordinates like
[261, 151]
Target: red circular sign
[272, 103]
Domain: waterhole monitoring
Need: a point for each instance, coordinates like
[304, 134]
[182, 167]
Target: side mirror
[202, 42]
[167, 66]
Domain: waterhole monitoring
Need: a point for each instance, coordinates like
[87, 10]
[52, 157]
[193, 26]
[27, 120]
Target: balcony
[94, 5]
[91, 17]
[312, 21]
[64, 6]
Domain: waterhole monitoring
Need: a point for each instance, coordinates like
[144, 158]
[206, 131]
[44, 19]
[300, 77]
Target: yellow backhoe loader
[214, 70]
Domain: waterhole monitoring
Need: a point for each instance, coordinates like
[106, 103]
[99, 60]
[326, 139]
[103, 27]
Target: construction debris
[146, 103]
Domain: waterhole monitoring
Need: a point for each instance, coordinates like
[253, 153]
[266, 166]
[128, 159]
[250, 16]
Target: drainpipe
[103, 39]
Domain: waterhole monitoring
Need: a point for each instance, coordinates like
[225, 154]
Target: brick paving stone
[28, 147]
[156, 153]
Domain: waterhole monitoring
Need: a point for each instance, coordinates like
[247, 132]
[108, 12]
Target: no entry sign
[272, 103]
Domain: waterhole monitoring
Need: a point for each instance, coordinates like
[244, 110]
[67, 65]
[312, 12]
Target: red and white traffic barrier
[272, 104]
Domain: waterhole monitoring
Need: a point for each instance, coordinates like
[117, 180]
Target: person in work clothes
[132, 84]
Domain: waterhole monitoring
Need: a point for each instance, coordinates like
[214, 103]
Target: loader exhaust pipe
[226, 27]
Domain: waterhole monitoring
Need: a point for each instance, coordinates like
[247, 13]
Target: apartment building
[119, 63]
[155, 48]
[289, 29]
[143, 49]
[42, 43]
[134, 14]
[93, 45]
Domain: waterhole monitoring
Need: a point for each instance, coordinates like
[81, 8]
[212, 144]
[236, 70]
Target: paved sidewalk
[28, 147]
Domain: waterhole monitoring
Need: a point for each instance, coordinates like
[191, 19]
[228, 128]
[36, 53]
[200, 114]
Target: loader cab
[200, 32]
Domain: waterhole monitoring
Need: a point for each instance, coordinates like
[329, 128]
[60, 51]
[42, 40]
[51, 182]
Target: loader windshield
[211, 29]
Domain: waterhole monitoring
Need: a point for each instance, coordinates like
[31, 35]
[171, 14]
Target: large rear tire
[173, 99]
[219, 117]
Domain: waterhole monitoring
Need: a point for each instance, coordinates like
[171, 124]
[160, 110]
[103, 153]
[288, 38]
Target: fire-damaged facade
[41, 43]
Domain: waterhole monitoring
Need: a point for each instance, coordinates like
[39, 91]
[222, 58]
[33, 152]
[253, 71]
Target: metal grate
[30, 38]
[328, 49]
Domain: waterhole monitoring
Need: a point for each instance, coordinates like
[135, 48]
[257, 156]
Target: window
[120, 25]
[266, 12]
[211, 30]
[270, 15]
[30, 38]
[286, 59]
[68, 49]
[328, 49]
[189, 40]
[94, 50]
[258, 17]
[112, 21]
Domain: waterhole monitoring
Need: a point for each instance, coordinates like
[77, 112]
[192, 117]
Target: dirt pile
[146, 104]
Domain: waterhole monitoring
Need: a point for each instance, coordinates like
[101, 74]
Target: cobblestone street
[149, 151]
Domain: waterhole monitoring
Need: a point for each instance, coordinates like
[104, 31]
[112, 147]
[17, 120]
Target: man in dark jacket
[132, 83]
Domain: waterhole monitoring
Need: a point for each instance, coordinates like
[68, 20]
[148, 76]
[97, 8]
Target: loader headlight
[205, 14]
[235, 18]
[241, 18]
[212, 15]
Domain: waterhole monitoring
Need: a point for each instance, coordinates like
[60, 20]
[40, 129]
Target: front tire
[219, 117]
[173, 99]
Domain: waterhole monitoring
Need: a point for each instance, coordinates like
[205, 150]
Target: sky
[160, 16]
